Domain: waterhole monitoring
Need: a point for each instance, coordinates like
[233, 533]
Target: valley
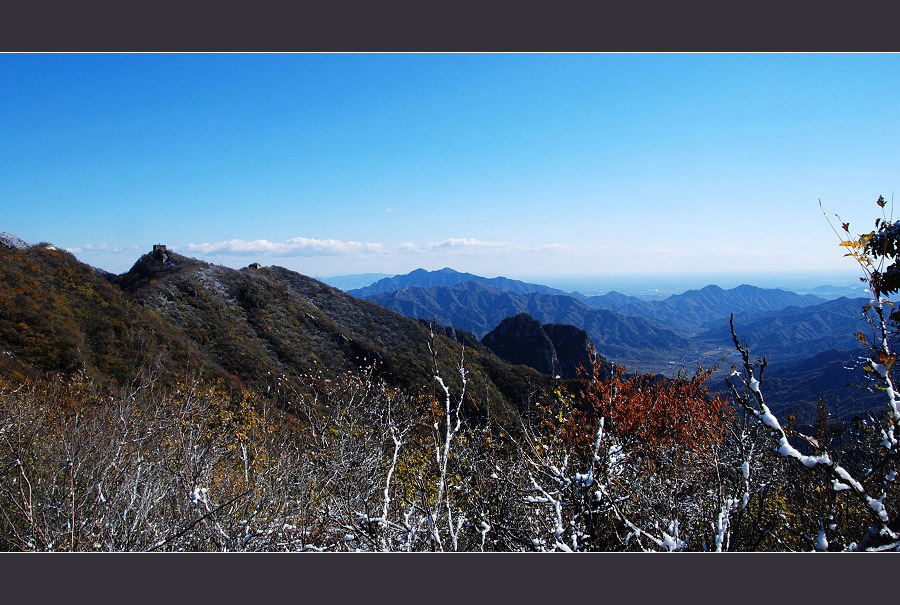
[673, 335]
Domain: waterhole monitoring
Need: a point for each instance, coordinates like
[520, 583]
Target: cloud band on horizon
[303, 246]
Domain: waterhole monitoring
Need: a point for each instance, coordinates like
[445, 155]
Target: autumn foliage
[657, 412]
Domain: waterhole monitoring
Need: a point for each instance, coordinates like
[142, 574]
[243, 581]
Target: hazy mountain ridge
[477, 308]
[695, 310]
[622, 303]
[682, 330]
[794, 333]
[687, 313]
[354, 280]
[420, 278]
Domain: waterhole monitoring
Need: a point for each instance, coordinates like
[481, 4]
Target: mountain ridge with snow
[13, 241]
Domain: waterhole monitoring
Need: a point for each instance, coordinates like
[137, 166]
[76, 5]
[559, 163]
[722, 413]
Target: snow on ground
[13, 241]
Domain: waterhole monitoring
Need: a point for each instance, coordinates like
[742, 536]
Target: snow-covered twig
[762, 413]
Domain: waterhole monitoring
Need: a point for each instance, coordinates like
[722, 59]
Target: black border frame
[407, 26]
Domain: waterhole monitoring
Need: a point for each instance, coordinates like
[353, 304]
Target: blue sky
[495, 164]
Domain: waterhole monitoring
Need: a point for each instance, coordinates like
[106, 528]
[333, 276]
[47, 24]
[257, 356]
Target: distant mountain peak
[420, 278]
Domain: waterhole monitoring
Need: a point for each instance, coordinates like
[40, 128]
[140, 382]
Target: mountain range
[809, 341]
[706, 308]
[687, 313]
[794, 333]
[172, 315]
[659, 336]
[250, 325]
[479, 308]
[355, 280]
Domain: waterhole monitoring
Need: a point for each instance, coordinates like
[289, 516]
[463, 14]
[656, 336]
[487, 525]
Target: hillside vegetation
[175, 316]
[59, 315]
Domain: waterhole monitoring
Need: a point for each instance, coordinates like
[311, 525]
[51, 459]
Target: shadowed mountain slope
[794, 387]
[553, 349]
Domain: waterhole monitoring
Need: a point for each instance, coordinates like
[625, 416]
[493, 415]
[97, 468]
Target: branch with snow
[842, 478]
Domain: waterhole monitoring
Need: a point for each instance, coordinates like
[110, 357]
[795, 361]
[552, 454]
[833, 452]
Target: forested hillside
[59, 315]
[172, 315]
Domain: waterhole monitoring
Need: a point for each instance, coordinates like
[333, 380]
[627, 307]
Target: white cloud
[297, 246]
[466, 242]
[104, 247]
[303, 246]
[381, 255]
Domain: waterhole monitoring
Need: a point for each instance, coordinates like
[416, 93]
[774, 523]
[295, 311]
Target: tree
[865, 470]
[629, 461]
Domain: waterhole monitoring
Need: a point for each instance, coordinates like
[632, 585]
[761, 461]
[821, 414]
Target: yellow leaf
[848, 242]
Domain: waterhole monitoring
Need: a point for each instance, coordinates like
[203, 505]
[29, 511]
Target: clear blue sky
[495, 164]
